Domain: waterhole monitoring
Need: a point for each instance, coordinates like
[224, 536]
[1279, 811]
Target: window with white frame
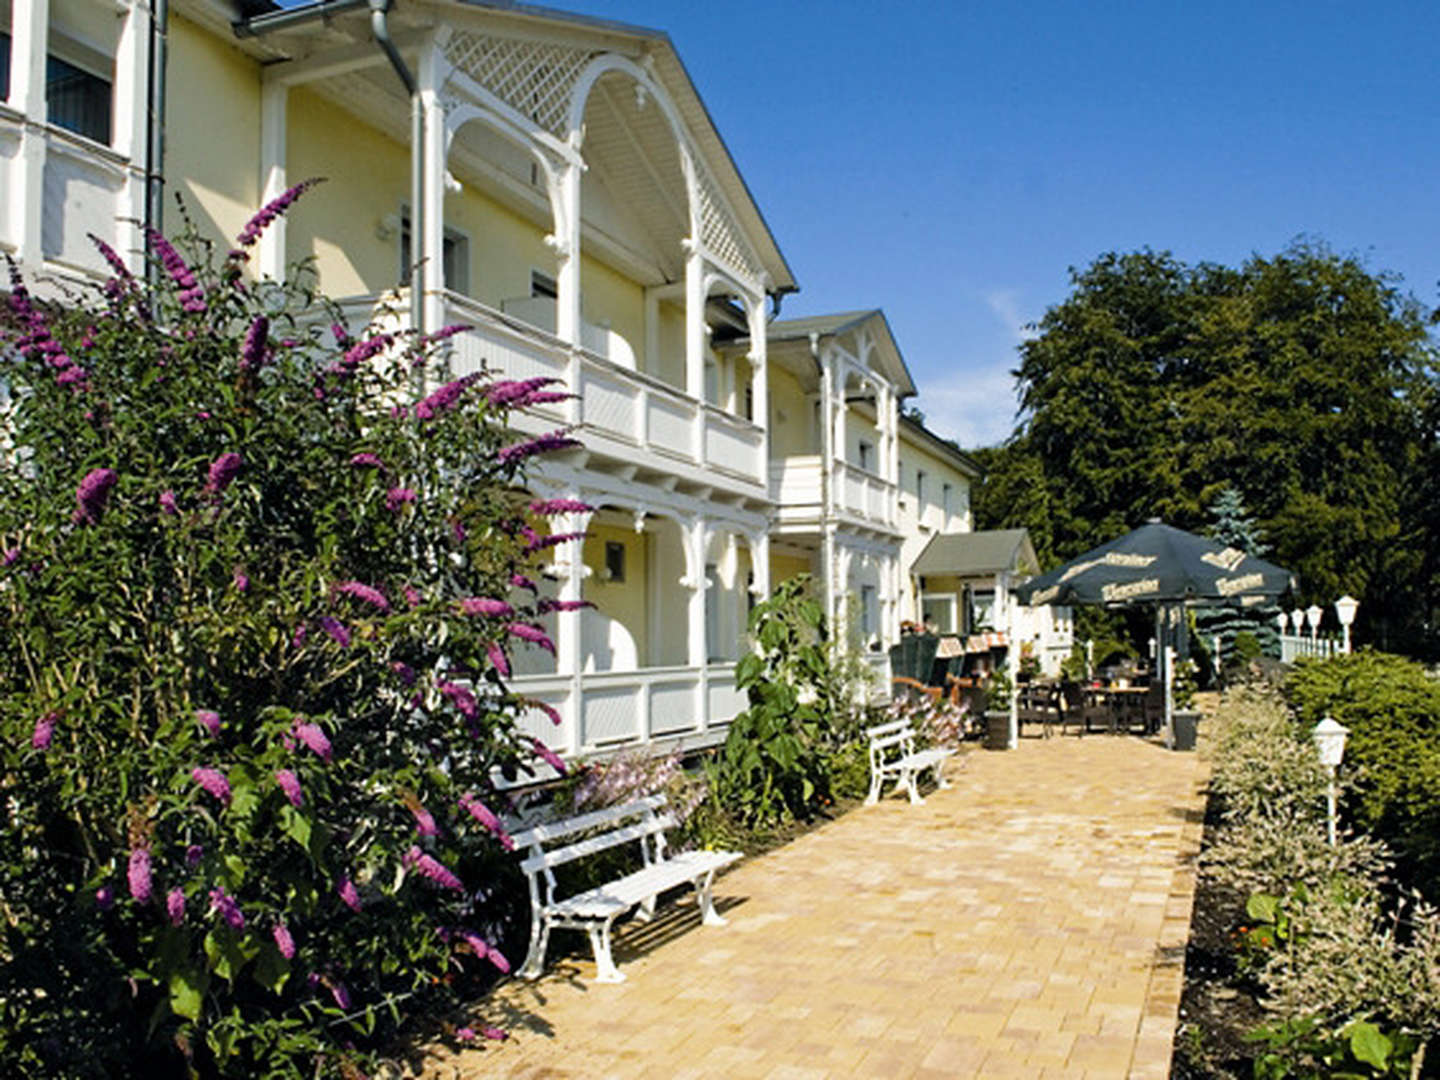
[938, 610]
[869, 613]
[5, 56]
[866, 453]
[80, 68]
[454, 256]
[945, 490]
[919, 491]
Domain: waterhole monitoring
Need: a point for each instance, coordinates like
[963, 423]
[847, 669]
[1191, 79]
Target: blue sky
[949, 162]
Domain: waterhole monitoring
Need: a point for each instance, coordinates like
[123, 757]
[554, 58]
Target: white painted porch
[856, 495]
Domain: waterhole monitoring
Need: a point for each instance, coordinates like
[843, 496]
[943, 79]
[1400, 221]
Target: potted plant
[998, 693]
[1185, 718]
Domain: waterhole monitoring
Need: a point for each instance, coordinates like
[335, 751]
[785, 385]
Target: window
[869, 613]
[454, 256]
[865, 452]
[919, 490]
[614, 561]
[750, 402]
[4, 66]
[945, 502]
[982, 610]
[77, 100]
[937, 610]
[543, 285]
[712, 613]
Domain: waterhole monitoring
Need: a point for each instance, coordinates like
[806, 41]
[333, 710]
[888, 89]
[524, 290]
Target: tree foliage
[1300, 380]
[255, 613]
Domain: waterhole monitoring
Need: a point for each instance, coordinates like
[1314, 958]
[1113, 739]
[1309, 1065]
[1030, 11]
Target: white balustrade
[1295, 646]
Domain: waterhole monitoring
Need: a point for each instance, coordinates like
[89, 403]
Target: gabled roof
[976, 553]
[892, 363]
[944, 447]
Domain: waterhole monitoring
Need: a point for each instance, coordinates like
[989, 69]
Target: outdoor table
[1121, 705]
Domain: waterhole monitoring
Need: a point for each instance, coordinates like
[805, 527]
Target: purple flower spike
[253, 350]
[242, 580]
[272, 210]
[175, 906]
[487, 819]
[290, 784]
[168, 506]
[193, 854]
[485, 605]
[498, 660]
[444, 399]
[515, 393]
[340, 994]
[520, 581]
[545, 707]
[548, 605]
[427, 867]
[371, 595]
[214, 782]
[367, 460]
[547, 507]
[549, 756]
[403, 671]
[534, 635]
[541, 444]
[348, 893]
[313, 737]
[104, 897]
[224, 905]
[210, 720]
[138, 875]
[223, 470]
[44, 731]
[284, 942]
[397, 497]
[92, 495]
[11, 556]
[461, 698]
[338, 631]
[424, 821]
[412, 596]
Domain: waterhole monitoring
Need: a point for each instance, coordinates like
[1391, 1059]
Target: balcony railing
[854, 493]
[618, 409]
[617, 709]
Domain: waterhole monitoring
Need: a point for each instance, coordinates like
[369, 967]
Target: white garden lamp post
[1345, 609]
[1329, 739]
[1313, 615]
[1297, 621]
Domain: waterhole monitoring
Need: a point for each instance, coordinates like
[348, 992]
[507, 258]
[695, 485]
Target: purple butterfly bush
[424, 820]
[445, 398]
[430, 869]
[397, 497]
[191, 295]
[44, 731]
[460, 697]
[403, 671]
[284, 942]
[242, 580]
[138, 877]
[368, 593]
[193, 854]
[223, 471]
[532, 634]
[549, 507]
[498, 660]
[225, 905]
[541, 444]
[485, 951]
[548, 605]
[112, 259]
[340, 994]
[548, 756]
[209, 719]
[348, 894]
[338, 631]
[485, 605]
[175, 906]
[253, 349]
[104, 897]
[535, 542]
[267, 214]
[314, 738]
[365, 459]
[214, 782]
[168, 505]
[290, 785]
[93, 494]
[520, 581]
[511, 393]
[487, 820]
[545, 707]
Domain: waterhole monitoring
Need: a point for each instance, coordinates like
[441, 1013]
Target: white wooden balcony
[610, 710]
[856, 496]
[618, 411]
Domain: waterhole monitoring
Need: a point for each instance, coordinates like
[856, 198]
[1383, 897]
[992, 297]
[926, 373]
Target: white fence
[1295, 646]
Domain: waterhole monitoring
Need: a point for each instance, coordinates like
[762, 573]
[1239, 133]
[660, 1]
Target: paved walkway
[1028, 922]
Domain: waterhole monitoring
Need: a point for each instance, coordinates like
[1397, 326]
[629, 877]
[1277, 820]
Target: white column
[759, 357]
[566, 243]
[132, 61]
[694, 535]
[274, 97]
[695, 323]
[29, 35]
[431, 242]
[760, 565]
[569, 631]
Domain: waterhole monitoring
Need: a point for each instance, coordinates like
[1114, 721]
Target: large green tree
[1301, 380]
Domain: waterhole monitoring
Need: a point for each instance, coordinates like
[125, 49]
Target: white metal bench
[556, 843]
[893, 754]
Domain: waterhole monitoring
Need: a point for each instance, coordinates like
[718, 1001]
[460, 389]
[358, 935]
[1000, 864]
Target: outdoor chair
[1072, 700]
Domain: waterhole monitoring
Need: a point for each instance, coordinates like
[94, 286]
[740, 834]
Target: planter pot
[997, 731]
[1186, 724]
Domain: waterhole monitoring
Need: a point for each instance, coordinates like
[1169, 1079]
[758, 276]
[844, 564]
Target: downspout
[155, 70]
[379, 9]
[826, 543]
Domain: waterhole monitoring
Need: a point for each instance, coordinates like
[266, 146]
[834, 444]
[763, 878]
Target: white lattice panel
[720, 232]
[726, 702]
[535, 79]
[537, 723]
[610, 405]
[670, 424]
[80, 198]
[610, 715]
[672, 707]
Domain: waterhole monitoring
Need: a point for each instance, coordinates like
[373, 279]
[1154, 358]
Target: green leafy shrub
[775, 764]
[257, 598]
[1392, 708]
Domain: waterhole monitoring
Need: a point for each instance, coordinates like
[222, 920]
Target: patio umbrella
[1159, 564]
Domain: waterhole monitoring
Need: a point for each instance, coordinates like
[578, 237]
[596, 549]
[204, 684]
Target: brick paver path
[1028, 922]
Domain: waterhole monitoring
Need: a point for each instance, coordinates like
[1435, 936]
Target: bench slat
[548, 860]
[558, 830]
[630, 890]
